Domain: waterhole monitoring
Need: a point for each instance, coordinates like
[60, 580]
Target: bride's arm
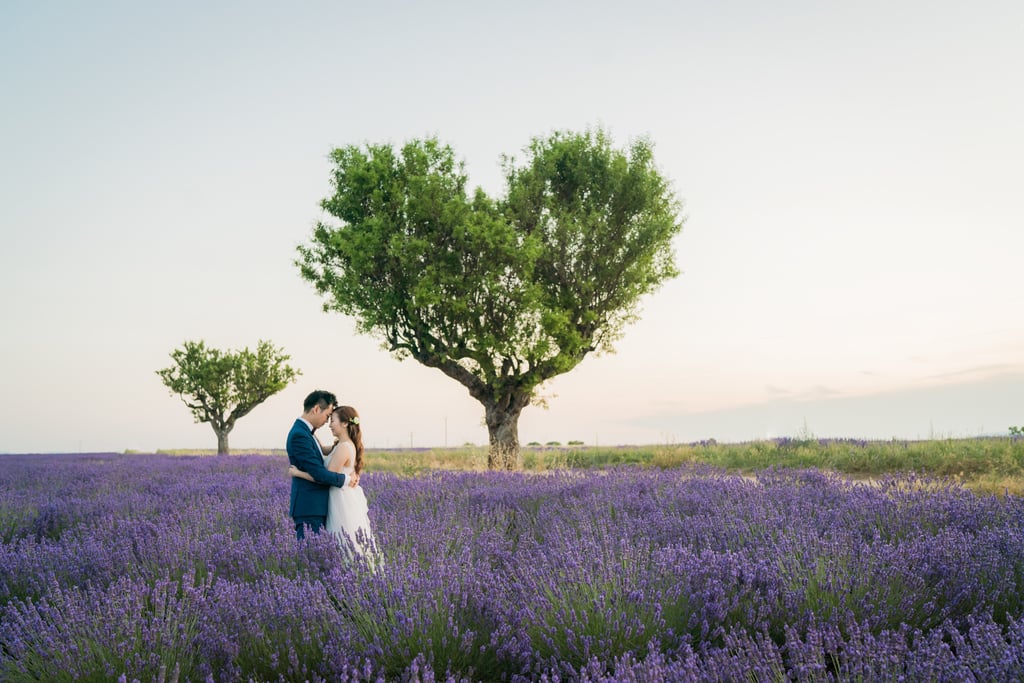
[343, 459]
[296, 472]
[334, 465]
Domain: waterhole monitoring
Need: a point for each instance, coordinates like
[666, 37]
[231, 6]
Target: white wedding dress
[347, 510]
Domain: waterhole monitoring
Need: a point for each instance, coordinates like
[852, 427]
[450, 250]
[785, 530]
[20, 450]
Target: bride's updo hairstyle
[350, 417]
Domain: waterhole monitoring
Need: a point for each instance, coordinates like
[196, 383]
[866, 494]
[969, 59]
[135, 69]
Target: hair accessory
[354, 419]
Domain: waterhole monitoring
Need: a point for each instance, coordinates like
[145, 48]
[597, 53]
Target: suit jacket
[309, 498]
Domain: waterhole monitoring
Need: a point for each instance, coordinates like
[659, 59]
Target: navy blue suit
[308, 503]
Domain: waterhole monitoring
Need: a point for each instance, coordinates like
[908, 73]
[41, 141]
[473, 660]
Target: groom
[308, 505]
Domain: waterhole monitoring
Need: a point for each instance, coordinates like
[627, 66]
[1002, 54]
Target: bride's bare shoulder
[347, 450]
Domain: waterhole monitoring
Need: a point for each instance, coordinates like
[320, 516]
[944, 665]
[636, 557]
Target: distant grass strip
[986, 464]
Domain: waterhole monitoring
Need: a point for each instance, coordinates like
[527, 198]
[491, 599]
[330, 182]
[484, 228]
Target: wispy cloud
[982, 372]
[965, 408]
[814, 393]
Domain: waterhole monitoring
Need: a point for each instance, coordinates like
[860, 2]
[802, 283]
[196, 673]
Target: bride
[347, 510]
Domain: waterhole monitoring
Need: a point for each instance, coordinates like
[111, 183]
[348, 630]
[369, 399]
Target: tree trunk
[503, 430]
[222, 441]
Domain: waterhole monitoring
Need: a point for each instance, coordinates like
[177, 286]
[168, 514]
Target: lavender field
[161, 568]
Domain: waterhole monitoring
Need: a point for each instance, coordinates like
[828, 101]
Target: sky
[851, 174]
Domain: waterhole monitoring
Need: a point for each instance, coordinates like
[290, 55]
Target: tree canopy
[500, 294]
[220, 387]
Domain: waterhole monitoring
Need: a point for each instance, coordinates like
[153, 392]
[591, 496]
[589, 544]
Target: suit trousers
[314, 524]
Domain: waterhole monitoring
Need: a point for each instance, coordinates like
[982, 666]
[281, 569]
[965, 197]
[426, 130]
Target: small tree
[220, 387]
[499, 294]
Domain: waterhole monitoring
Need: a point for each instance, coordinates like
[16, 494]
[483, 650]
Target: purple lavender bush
[191, 572]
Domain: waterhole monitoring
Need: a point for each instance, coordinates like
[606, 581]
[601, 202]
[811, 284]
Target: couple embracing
[325, 481]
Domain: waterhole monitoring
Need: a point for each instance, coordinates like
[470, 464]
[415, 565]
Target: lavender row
[186, 568]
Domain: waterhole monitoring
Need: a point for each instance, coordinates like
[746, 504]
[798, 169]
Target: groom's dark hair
[320, 398]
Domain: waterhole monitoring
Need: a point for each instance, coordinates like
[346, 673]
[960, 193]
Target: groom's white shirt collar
[311, 430]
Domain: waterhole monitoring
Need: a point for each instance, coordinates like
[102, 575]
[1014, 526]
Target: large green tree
[220, 387]
[500, 294]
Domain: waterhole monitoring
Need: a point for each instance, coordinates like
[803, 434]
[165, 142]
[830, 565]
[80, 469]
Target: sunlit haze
[851, 174]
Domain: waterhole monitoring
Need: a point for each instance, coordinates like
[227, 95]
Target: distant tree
[220, 387]
[498, 294]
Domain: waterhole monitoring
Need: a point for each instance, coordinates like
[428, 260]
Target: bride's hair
[355, 432]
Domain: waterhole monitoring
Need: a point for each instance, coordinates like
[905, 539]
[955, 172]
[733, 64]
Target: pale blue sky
[851, 173]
